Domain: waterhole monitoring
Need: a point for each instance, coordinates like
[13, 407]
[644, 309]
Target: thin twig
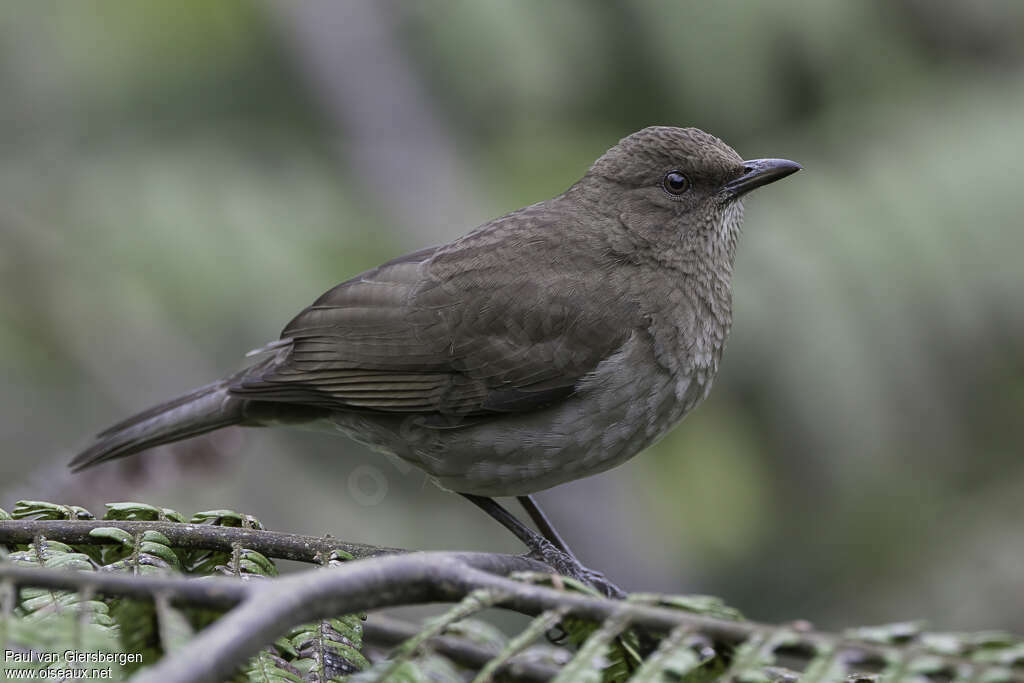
[193, 536]
[214, 592]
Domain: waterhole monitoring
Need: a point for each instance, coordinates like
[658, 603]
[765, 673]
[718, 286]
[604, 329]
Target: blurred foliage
[172, 190]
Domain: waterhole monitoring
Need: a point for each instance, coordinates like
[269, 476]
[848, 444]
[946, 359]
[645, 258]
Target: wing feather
[489, 324]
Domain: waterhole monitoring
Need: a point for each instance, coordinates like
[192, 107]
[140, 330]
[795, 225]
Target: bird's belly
[619, 410]
[583, 436]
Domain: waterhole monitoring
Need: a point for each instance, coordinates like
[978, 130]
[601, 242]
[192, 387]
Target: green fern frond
[138, 629]
[142, 512]
[40, 604]
[241, 562]
[329, 649]
[39, 641]
[471, 604]
[602, 656]
[622, 657]
[226, 518]
[269, 667]
[671, 661]
[36, 509]
[708, 605]
[426, 667]
[37, 620]
[535, 629]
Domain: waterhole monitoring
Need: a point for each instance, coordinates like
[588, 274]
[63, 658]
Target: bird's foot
[544, 551]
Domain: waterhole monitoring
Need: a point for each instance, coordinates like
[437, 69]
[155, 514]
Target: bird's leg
[544, 525]
[543, 549]
[646, 642]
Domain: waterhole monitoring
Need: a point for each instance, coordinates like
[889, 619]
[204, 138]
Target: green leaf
[113, 534]
[602, 657]
[887, 634]
[58, 633]
[268, 667]
[538, 626]
[141, 512]
[751, 658]
[138, 630]
[329, 648]
[824, 667]
[252, 562]
[482, 633]
[673, 659]
[424, 668]
[707, 605]
[226, 518]
[174, 627]
[24, 509]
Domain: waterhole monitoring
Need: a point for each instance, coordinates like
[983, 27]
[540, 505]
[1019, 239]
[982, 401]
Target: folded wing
[482, 326]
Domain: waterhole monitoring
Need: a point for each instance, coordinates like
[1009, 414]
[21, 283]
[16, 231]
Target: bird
[546, 345]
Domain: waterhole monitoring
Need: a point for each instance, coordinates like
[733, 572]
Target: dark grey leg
[497, 512]
[543, 549]
[547, 529]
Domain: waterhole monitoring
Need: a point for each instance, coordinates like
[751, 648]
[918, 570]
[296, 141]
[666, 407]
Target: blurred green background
[177, 179]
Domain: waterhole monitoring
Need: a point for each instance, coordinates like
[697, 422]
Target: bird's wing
[489, 324]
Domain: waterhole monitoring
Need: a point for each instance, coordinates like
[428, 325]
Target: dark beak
[758, 172]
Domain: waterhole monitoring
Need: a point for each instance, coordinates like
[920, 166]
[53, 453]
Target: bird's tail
[200, 411]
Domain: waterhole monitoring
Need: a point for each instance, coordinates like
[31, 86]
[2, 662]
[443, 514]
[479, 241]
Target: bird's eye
[675, 183]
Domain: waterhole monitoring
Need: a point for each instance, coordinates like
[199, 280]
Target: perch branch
[418, 578]
[266, 609]
[410, 579]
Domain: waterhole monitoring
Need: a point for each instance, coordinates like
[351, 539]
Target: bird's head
[672, 186]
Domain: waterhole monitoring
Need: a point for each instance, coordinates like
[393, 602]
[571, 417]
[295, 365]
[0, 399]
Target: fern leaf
[824, 667]
[329, 649]
[141, 512]
[268, 667]
[173, 626]
[596, 661]
[423, 668]
[537, 627]
[673, 659]
[37, 509]
[707, 605]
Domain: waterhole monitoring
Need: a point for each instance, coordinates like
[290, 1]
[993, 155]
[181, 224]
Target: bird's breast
[688, 329]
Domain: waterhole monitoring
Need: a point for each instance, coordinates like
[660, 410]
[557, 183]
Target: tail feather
[203, 410]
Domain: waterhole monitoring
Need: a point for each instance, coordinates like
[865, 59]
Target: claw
[544, 551]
